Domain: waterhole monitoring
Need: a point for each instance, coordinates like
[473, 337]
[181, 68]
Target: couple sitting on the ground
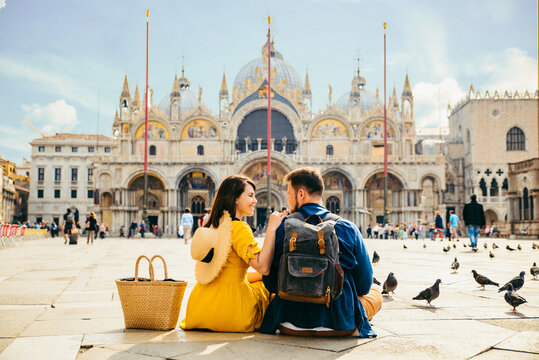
[227, 298]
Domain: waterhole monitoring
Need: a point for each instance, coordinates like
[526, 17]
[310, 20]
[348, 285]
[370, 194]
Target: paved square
[60, 302]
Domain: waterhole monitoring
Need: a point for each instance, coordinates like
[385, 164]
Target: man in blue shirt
[187, 223]
[454, 224]
[357, 303]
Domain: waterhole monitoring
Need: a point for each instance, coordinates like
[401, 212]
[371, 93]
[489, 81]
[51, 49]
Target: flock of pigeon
[431, 293]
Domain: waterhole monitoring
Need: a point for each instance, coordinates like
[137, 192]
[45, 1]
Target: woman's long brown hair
[230, 189]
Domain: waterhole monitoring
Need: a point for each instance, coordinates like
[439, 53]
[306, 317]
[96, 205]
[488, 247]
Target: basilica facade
[191, 149]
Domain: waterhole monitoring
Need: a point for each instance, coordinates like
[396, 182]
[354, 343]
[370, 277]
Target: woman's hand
[276, 218]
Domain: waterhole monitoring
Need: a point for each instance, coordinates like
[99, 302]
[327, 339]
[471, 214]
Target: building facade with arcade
[191, 149]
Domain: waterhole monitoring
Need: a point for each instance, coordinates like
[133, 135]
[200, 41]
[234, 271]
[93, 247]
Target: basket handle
[150, 266]
[164, 264]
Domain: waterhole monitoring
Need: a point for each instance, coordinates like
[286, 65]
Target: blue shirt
[187, 219]
[454, 219]
[346, 312]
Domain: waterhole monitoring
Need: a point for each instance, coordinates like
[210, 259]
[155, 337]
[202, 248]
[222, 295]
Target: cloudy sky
[62, 63]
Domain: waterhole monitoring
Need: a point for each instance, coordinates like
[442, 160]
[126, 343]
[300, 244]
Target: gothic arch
[344, 172]
[137, 173]
[188, 170]
[324, 117]
[394, 172]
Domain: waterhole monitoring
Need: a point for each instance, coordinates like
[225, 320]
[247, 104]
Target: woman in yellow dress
[226, 298]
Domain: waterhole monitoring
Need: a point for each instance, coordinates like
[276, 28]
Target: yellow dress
[230, 303]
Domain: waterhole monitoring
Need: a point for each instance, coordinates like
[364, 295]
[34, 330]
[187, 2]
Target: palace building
[191, 149]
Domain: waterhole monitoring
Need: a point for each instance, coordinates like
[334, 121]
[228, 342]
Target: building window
[198, 205]
[91, 149]
[74, 174]
[56, 193]
[57, 174]
[526, 204]
[505, 185]
[152, 150]
[200, 150]
[58, 149]
[40, 193]
[90, 194]
[333, 204]
[107, 149]
[515, 139]
[74, 149]
[90, 174]
[483, 187]
[73, 193]
[329, 150]
[41, 148]
[493, 188]
[451, 188]
[40, 174]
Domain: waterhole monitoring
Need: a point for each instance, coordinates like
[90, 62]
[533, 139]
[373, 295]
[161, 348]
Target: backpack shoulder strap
[296, 215]
[332, 217]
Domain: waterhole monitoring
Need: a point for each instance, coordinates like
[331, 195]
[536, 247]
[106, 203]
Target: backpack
[310, 270]
[69, 218]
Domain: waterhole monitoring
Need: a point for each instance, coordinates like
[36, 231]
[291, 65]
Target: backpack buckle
[328, 296]
[292, 244]
[321, 242]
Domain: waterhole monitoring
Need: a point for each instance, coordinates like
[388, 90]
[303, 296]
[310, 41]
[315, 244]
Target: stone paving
[60, 302]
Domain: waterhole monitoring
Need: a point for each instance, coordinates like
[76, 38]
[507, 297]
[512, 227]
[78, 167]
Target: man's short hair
[307, 178]
[451, 212]
[474, 197]
[187, 210]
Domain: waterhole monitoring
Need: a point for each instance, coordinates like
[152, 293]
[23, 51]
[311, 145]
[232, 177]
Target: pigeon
[430, 293]
[455, 265]
[517, 283]
[404, 246]
[509, 248]
[519, 247]
[446, 249]
[375, 257]
[376, 281]
[494, 246]
[490, 254]
[483, 280]
[485, 245]
[474, 249]
[463, 244]
[513, 299]
[535, 246]
[454, 246]
[534, 270]
[424, 246]
[390, 284]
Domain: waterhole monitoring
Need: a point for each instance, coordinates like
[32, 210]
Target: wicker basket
[148, 303]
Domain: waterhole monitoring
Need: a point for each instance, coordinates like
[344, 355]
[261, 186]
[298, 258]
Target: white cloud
[58, 116]
[432, 99]
[2, 4]
[511, 69]
[50, 82]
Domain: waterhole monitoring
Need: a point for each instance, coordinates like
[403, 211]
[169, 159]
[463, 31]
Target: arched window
[515, 139]
[198, 205]
[493, 188]
[152, 150]
[526, 204]
[200, 150]
[505, 185]
[329, 150]
[333, 205]
[483, 186]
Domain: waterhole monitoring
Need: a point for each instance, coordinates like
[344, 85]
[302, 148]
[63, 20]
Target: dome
[366, 101]
[257, 69]
[189, 101]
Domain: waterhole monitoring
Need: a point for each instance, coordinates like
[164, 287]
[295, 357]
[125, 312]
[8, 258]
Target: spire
[307, 86]
[224, 87]
[176, 85]
[116, 118]
[136, 100]
[183, 82]
[394, 94]
[407, 90]
[125, 90]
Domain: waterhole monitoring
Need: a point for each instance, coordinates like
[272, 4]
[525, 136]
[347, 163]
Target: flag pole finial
[385, 25]
[269, 20]
[147, 15]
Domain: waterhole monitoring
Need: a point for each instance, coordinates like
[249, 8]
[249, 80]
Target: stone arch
[318, 122]
[343, 171]
[186, 171]
[157, 129]
[333, 204]
[205, 130]
[277, 202]
[394, 172]
[193, 186]
[106, 200]
[105, 180]
[374, 188]
[156, 192]
[491, 216]
[365, 129]
[136, 173]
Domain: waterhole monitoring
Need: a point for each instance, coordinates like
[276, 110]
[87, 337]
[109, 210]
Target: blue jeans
[473, 233]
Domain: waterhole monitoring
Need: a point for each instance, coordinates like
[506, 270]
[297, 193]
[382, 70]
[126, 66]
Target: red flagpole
[268, 210]
[145, 205]
[385, 133]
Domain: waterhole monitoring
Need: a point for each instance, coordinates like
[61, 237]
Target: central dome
[256, 71]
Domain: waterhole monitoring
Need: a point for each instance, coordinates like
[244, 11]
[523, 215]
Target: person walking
[187, 223]
[438, 226]
[91, 224]
[474, 219]
[454, 222]
[67, 224]
[142, 229]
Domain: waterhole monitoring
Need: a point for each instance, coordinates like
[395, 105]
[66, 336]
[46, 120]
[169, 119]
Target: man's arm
[271, 280]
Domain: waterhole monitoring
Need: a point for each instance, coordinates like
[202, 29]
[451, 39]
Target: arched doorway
[430, 197]
[257, 172]
[375, 197]
[196, 192]
[491, 217]
[338, 192]
[156, 197]
[106, 212]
